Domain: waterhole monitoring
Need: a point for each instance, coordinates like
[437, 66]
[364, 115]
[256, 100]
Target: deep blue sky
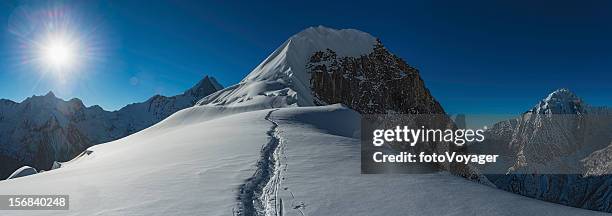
[475, 57]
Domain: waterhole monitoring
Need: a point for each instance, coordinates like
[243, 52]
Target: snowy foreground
[196, 161]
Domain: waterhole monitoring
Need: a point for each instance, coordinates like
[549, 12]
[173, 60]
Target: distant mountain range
[44, 129]
[558, 151]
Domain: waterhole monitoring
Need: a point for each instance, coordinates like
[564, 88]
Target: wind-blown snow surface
[185, 167]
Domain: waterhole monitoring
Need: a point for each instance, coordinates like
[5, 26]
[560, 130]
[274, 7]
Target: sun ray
[54, 41]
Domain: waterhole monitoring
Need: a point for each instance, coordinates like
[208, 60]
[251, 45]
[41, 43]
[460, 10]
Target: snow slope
[197, 168]
[321, 176]
[183, 169]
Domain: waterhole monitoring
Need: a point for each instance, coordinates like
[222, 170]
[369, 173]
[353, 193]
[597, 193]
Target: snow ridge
[258, 195]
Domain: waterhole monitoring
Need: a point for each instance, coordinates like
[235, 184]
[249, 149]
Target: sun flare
[58, 53]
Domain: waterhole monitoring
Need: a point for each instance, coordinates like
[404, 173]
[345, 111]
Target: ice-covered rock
[56, 165]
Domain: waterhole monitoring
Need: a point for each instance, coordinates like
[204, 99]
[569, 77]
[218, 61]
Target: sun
[59, 43]
[59, 53]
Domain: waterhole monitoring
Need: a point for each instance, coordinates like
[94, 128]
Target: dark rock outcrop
[378, 83]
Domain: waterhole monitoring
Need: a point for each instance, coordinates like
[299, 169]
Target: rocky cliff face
[377, 83]
[44, 129]
[558, 151]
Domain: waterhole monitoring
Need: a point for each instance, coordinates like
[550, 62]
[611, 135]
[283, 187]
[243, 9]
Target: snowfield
[179, 169]
[321, 176]
[183, 167]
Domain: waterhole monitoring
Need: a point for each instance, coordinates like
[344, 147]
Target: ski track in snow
[258, 195]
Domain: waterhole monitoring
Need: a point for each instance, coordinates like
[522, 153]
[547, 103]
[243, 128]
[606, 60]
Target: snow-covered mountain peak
[345, 42]
[50, 94]
[562, 94]
[281, 79]
[7, 102]
[49, 102]
[289, 60]
[76, 102]
[212, 81]
[560, 101]
[205, 86]
[46, 99]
